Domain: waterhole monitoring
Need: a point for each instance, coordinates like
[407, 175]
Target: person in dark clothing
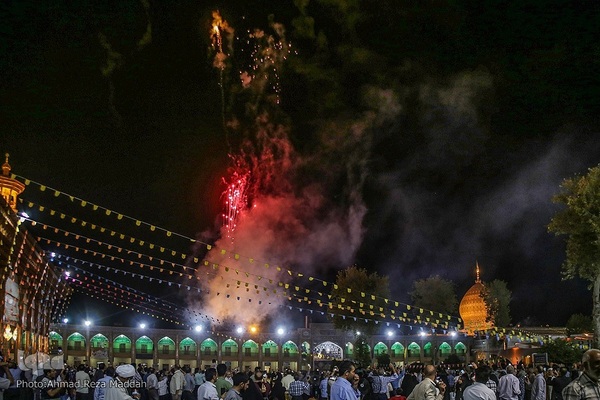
[463, 381]
[559, 383]
[252, 392]
[408, 383]
[277, 391]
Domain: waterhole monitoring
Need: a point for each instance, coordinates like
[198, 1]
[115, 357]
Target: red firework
[236, 201]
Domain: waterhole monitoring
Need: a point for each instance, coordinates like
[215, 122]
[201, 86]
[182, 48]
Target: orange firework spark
[219, 25]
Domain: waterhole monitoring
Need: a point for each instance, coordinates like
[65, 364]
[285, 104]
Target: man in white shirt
[83, 383]
[508, 385]
[152, 385]
[208, 390]
[177, 383]
[479, 390]
[287, 379]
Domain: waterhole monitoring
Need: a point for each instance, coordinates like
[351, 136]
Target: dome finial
[6, 165]
[477, 280]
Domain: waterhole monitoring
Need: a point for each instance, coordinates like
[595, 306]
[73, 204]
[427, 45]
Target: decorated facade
[319, 345]
[32, 292]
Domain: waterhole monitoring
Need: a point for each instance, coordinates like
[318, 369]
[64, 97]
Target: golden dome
[472, 308]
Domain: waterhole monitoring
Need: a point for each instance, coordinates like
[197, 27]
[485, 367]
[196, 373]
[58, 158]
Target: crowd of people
[482, 381]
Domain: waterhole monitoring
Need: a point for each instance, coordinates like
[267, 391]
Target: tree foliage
[354, 293]
[561, 351]
[580, 221]
[579, 323]
[435, 294]
[383, 359]
[362, 353]
[497, 302]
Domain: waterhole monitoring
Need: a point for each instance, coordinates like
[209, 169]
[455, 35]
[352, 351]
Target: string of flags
[364, 308]
[235, 256]
[93, 292]
[268, 291]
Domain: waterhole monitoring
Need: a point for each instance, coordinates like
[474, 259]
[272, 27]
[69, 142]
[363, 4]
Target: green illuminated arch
[208, 347]
[289, 349]
[144, 345]
[229, 347]
[427, 349]
[445, 349]
[122, 344]
[349, 349]
[414, 350]
[99, 341]
[397, 350]
[187, 346]
[271, 346]
[56, 338]
[250, 348]
[76, 341]
[380, 348]
[166, 346]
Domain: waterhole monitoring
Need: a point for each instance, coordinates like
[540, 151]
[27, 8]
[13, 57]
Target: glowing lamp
[8, 333]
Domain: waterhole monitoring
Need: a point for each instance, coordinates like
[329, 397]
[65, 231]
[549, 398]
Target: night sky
[410, 138]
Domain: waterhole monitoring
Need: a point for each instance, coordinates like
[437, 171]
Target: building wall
[320, 344]
[32, 292]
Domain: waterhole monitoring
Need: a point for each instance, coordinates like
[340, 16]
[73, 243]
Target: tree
[434, 294]
[362, 353]
[580, 221]
[358, 300]
[579, 323]
[497, 299]
[453, 359]
[383, 360]
[561, 351]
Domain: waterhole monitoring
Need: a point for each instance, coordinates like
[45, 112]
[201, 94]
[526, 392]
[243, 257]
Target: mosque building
[472, 307]
[32, 291]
